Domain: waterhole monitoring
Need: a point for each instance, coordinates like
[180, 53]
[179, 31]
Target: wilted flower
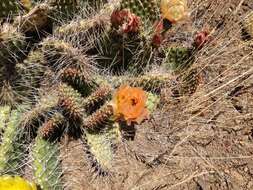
[15, 183]
[201, 38]
[174, 10]
[125, 21]
[158, 36]
[130, 104]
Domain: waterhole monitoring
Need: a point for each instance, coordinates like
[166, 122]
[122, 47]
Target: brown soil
[198, 142]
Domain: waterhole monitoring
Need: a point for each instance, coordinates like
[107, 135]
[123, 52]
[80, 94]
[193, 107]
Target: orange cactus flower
[129, 104]
[174, 10]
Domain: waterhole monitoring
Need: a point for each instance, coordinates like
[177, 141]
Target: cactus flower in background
[174, 10]
[15, 183]
[129, 104]
[125, 21]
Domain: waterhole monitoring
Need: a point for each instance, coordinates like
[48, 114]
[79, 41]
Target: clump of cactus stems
[63, 78]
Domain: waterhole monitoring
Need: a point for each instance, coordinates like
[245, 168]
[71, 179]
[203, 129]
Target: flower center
[134, 101]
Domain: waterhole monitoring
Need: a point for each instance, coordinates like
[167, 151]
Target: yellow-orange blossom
[174, 10]
[129, 104]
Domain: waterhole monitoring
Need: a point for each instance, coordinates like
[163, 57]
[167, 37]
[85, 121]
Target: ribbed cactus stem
[60, 54]
[153, 83]
[13, 7]
[99, 147]
[71, 102]
[35, 19]
[51, 125]
[147, 9]
[10, 153]
[46, 104]
[189, 82]
[97, 98]
[46, 164]
[12, 46]
[98, 118]
[76, 78]
[83, 26]
[178, 58]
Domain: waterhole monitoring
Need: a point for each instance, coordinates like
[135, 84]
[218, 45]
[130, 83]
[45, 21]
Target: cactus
[11, 147]
[147, 9]
[66, 70]
[13, 7]
[151, 83]
[178, 58]
[99, 148]
[52, 125]
[71, 102]
[46, 164]
[12, 44]
[189, 82]
[98, 118]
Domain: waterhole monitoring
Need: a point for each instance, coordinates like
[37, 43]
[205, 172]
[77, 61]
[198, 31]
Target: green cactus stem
[147, 9]
[52, 125]
[12, 46]
[46, 164]
[71, 102]
[35, 20]
[98, 118]
[97, 98]
[11, 149]
[178, 58]
[100, 149]
[151, 83]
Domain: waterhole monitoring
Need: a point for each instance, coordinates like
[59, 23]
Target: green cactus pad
[46, 164]
[11, 153]
[152, 102]
[100, 148]
[177, 58]
[146, 9]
